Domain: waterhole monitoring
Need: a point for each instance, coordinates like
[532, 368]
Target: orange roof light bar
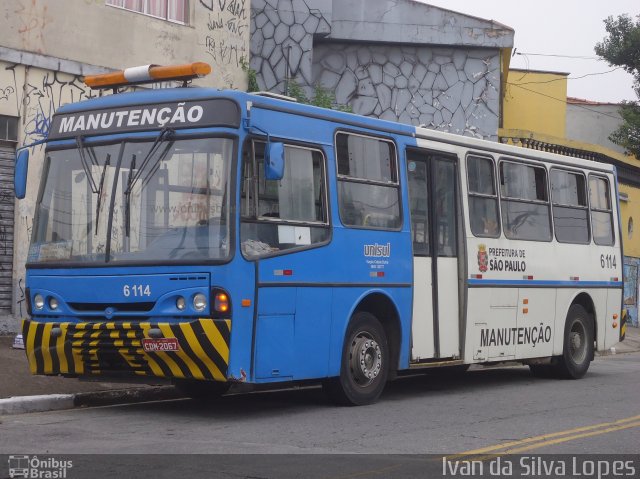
[148, 74]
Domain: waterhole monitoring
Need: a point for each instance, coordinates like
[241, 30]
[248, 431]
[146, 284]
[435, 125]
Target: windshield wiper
[164, 134]
[127, 202]
[85, 164]
[99, 200]
[135, 176]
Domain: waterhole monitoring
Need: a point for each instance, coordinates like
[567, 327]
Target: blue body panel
[294, 325]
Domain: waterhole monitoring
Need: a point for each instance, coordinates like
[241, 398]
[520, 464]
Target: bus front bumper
[198, 349]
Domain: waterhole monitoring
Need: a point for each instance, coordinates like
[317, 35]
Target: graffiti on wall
[42, 94]
[227, 27]
[630, 275]
[32, 95]
[32, 17]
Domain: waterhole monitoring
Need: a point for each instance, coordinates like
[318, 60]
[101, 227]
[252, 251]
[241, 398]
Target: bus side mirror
[274, 161]
[20, 176]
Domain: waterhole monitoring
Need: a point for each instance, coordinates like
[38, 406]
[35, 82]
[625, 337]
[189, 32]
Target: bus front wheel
[365, 363]
[577, 352]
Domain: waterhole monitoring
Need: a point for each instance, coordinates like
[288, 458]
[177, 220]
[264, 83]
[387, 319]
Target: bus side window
[282, 214]
[483, 198]
[601, 213]
[525, 201]
[570, 212]
[368, 190]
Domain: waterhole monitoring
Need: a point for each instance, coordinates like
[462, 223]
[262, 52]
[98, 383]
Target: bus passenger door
[432, 198]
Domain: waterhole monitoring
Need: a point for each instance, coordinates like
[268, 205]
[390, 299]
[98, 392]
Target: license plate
[161, 344]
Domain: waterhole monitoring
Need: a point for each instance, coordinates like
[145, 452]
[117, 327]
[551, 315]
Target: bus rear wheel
[365, 363]
[577, 352]
[201, 390]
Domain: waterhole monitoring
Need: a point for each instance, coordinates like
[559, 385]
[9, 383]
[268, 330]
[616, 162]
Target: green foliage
[628, 134]
[622, 48]
[297, 92]
[252, 80]
[322, 97]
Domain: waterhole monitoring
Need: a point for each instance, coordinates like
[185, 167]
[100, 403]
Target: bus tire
[201, 390]
[365, 363]
[577, 351]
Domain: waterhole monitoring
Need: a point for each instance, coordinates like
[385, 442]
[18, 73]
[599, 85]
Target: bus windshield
[163, 200]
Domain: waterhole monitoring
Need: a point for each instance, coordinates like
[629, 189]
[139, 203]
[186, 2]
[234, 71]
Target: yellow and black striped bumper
[115, 348]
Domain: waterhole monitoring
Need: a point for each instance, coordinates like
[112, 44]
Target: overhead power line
[568, 78]
[576, 57]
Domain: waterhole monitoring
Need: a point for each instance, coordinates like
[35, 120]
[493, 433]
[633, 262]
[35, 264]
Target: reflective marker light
[221, 303]
[148, 74]
[181, 303]
[53, 303]
[200, 302]
[38, 301]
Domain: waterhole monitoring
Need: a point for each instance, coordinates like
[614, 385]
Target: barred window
[171, 10]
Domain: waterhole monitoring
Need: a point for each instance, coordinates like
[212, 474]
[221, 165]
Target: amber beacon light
[148, 74]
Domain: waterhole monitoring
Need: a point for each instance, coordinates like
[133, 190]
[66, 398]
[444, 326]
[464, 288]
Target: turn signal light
[222, 303]
[148, 74]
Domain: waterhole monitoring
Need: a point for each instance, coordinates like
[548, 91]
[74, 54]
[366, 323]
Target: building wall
[593, 123]
[448, 89]
[381, 59]
[630, 211]
[47, 46]
[90, 32]
[536, 102]
[31, 94]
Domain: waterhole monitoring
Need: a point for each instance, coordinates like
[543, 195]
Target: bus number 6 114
[608, 261]
[136, 290]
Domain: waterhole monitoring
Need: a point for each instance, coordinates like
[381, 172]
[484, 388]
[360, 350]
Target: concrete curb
[26, 404]
[55, 402]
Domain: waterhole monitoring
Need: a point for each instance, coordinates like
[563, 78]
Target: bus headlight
[200, 302]
[181, 303]
[38, 301]
[53, 303]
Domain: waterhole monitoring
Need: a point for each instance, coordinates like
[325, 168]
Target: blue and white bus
[213, 237]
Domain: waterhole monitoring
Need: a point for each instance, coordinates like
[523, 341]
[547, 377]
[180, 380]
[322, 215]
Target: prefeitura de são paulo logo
[483, 258]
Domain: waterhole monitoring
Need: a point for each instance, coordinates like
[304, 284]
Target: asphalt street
[495, 410]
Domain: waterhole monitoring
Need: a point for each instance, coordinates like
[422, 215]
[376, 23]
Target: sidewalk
[21, 392]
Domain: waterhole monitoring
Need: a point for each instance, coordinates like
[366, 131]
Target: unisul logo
[377, 250]
[33, 467]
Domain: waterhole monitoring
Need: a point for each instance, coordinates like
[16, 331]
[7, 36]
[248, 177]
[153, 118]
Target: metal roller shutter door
[7, 202]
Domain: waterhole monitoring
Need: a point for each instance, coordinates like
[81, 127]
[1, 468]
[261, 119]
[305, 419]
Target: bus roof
[149, 97]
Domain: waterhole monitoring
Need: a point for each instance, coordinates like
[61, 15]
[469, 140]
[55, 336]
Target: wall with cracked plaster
[453, 87]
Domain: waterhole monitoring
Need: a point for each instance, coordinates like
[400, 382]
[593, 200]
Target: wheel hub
[577, 342]
[366, 360]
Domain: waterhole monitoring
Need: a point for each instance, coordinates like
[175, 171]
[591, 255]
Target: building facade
[538, 114]
[47, 46]
[399, 60]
